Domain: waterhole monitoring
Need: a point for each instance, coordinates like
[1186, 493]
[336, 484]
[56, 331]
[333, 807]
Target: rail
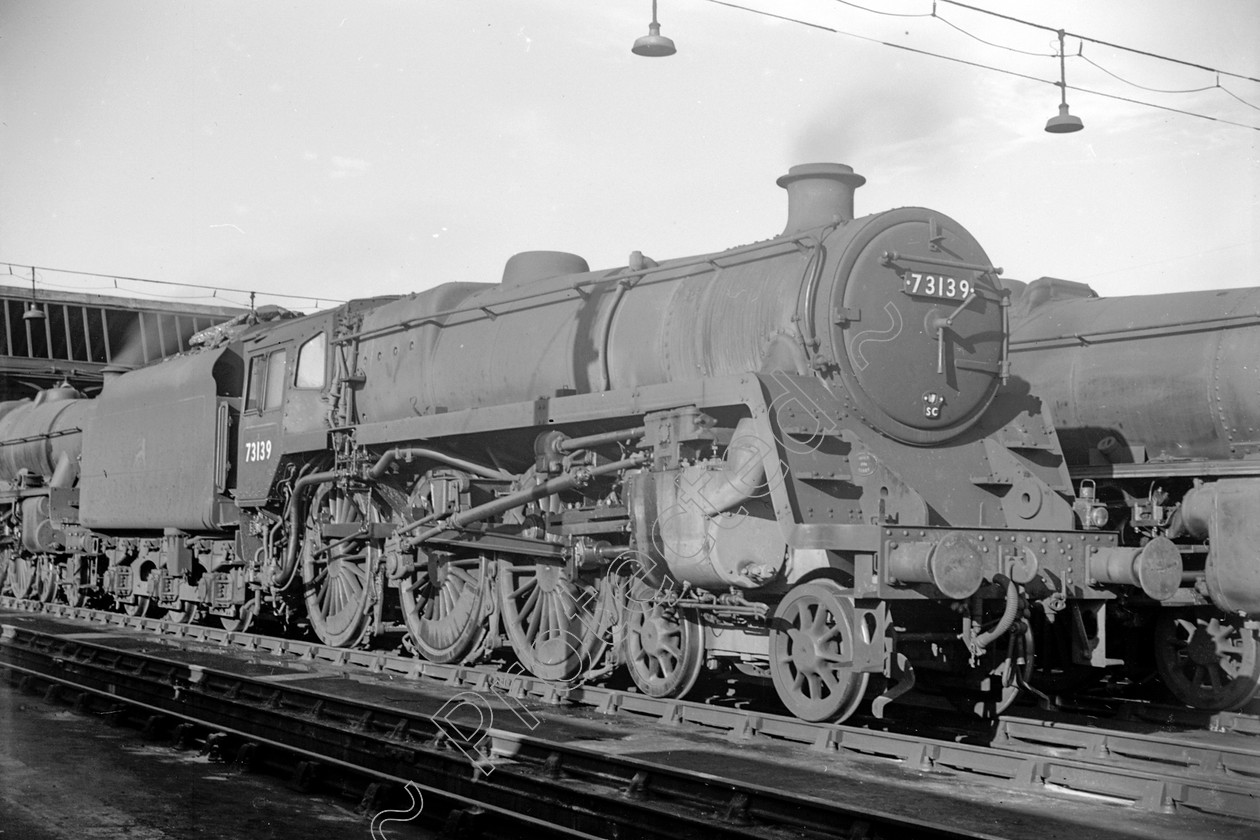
[1143, 770]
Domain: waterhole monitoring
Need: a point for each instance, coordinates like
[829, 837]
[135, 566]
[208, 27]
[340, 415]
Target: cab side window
[275, 380]
[257, 370]
[266, 381]
[310, 363]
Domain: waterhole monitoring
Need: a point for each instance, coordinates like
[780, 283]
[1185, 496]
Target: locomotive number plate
[259, 450]
[941, 286]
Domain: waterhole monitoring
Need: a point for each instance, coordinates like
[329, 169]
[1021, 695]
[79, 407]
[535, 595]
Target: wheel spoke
[1187, 627]
[558, 614]
[815, 685]
[535, 618]
[460, 575]
[818, 626]
[830, 679]
[827, 636]
[528, 584]
[1214, 677]
[530, 607]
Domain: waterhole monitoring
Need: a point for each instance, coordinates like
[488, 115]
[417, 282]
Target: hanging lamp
[1064, 122]
[653, 44]
[33, 312]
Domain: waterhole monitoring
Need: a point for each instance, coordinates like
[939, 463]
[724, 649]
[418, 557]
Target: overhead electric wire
[881, 12]
[1090, 61]
[1181, 111]
[1230, 93]
[1090, 40]
[764, 13]
[120, 277]
[1085, 39]
[140, 293]
[975, 37]
[1005, 71]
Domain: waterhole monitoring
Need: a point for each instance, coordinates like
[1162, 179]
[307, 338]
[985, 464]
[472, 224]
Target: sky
[346, 149]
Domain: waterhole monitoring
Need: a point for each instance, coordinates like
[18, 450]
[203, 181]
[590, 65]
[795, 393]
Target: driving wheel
[446, 603]
[340, 577]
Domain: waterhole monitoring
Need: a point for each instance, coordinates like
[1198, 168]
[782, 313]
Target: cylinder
[1224, 512]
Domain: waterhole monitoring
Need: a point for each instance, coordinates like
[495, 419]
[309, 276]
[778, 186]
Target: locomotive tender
[795, 459]
[1156, 402]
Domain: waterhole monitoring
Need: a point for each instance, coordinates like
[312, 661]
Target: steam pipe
[379, 468]
[284, 575]
[65, 473]
[742, 473]
[620, 436]
[605, 335]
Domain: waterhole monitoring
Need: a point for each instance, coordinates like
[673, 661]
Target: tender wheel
[49, 574]
[142, 575]
[811, 646]
[24, 577]
[339, 570]
[34, 578]
[243, 620]
[1207, 659]
[446, 603]
[663, 645]
[189, 613]
[70, 582]
[558, 628]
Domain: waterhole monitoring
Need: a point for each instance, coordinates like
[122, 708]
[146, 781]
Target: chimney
[819, 194]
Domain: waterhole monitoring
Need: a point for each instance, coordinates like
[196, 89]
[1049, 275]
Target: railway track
[500, 764]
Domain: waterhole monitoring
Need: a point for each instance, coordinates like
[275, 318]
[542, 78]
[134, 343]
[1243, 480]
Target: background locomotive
[1156, 399]
[793, 458]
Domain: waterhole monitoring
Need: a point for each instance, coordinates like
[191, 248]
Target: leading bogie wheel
[1207, 659]
[663, 645]
[340, 575]
[811, 653]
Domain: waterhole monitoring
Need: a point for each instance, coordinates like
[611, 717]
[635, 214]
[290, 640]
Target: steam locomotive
[1156, 403]
[796, 460]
